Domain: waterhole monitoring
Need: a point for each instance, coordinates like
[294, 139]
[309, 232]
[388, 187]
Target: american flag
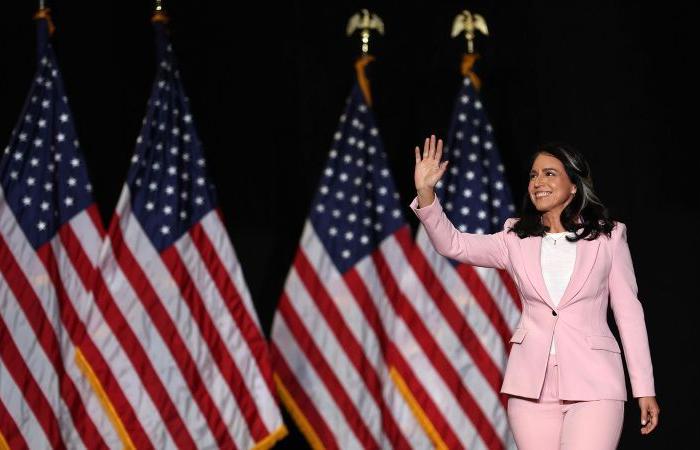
[188, 365]
[50, 235]
[470, 312]
[331, 335]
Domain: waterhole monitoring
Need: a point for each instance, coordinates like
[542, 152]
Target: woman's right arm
[485, 250]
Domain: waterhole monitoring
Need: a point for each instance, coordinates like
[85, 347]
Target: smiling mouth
[542, 194]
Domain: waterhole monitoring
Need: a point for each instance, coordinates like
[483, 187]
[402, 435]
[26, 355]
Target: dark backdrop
[268, 80]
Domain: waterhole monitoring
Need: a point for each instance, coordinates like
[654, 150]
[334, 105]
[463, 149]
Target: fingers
[650, 417]
[438, 154]
[443, 168]
[426, 148]
[417, 155]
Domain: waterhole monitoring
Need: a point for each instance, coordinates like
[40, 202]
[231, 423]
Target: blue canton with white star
[473, 191]
[43, 174]
[357, 205]
[169, 187]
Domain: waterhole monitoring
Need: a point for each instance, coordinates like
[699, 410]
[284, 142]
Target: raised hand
[428, 170]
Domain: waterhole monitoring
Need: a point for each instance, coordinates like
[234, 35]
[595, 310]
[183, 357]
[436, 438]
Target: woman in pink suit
[564, 377]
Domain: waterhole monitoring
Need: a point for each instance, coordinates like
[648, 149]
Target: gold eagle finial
[365, 22]
[469, 23]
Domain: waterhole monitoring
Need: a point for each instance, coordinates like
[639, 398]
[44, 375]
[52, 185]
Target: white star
[167, 210]
[500, 167]
[60, 137]
[464, 99]
[343, 177]
[467, 193]
[469, 175]
[451, 187]
[464, 210]
[200, 181]
[475, 139]
[57, 157]
[41, 225]
[373, 132]
[459, 135]
[349, 236]
[361, 144]
[134, 159]
[379, 209]
[18, 156]
[42, 123]
[472, 157]
[156, 166]
[396, 213]
[352, 217]
[23, 137]
[332, 231]
[44, 206]
[328, 172]
[354, 199]
[169, 190]
[71, 181]
[175, 131]
[498, 185]
[164, 230]
[149, 206]
[477, 104]
[462, 117]
[38, 142]
[200, 161]
[185, 176]
[371, 149]
[481, 214]
[463, 228]
[48, 186]
[340, 195]
[336, 213]
[187, 118]
[333, 153]
[13, 174]
[488, 145]
[153, 186]
[75, 162]
[76, 143]
[88, 187]
[364, 239]
[352, 140]
[320, 208]
[183, 214]
[360, 162]
[68, 201]
[199, 200]
[496, 202]
[183, 195]
[28, 118]
[382, 190]
[337, 135]
[27, 201]
[385, 172]
[30, 181]
[345, 254]
[63, 118]
[378, 226]
[186, 137]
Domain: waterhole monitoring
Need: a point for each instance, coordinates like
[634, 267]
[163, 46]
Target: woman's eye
[549, 174]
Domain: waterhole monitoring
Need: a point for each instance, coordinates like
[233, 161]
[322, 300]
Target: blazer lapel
[531, 252]
[586, 253]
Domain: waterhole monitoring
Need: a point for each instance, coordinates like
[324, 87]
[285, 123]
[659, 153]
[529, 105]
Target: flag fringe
[118, 425]
[298, 416]
[418, 412]
[271, 439]
[3, 443]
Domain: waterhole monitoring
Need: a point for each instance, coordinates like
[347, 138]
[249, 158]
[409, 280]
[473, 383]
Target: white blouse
[557, 259]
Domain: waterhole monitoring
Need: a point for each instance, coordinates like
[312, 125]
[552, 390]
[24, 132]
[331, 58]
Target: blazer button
[554, 313]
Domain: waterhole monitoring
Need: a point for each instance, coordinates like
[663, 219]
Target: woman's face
[550, 188]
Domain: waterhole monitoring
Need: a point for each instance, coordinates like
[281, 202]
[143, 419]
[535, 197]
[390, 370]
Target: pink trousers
[552, 424]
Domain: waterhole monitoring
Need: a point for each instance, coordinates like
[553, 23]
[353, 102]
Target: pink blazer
[588, 356]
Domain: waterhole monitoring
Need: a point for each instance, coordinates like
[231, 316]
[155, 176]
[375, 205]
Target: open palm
[429, 169]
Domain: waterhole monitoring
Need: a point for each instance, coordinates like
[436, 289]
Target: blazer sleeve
[629, 315]
[484, 250]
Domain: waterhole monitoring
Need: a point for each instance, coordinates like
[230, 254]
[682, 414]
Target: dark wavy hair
[585, 215]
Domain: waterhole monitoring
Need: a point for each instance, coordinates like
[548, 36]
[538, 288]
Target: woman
[564, 376]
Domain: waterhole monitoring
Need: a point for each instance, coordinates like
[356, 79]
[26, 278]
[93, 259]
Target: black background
[267, 82]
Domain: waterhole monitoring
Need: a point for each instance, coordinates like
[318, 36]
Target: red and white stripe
[462, 318]
[329, 341]
[45, 401]
[188, 361]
